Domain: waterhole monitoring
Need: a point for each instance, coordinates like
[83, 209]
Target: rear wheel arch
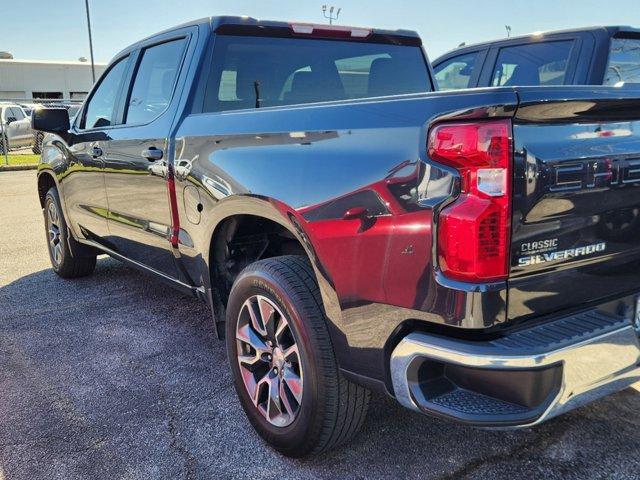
[240, 239]
[279, 218]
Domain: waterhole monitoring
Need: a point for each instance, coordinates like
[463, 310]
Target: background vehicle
[353, 230]
[586, 56]
[27, 108]
[16, 126]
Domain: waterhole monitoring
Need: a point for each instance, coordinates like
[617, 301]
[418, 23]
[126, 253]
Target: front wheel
[282, 360]
[66, 256]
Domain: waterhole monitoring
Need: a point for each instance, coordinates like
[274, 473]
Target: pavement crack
[174, 441]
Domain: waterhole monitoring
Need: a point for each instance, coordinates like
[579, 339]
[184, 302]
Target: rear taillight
[474, 231]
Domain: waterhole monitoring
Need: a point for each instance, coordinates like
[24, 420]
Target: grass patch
[20, 159]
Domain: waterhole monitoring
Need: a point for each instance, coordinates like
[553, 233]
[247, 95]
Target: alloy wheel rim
[53, 231]
[269, 360]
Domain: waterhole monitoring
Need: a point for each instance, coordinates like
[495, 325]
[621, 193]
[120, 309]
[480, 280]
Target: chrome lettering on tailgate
[562, 254]
[606, 172]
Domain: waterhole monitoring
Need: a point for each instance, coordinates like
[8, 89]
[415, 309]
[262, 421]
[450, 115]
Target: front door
[83, 181]
[137, 156]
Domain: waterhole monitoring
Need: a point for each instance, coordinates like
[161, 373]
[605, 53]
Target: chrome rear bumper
[521, 379]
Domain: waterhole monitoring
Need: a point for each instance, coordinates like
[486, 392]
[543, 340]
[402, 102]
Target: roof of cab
[610, 29]
[217, 22]
[244, 21]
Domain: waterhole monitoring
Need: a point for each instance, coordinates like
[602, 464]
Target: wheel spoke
[286, 403]
[293, 382]
[247, 335]
[267, 313]
[256, 319]
[282, 327]
[58, 253]
[264, 382]
[274, 406]
[292, 354]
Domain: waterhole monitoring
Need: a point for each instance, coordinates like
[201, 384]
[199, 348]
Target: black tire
[2, 147]
[332, 409]
[68, 258]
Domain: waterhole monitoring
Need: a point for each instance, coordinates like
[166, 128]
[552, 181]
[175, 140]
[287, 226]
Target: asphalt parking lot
[117, 376]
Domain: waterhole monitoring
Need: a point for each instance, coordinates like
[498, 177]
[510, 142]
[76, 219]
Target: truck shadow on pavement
[119, 376]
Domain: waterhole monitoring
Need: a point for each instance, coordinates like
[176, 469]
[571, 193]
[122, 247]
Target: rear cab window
[253, 72]
[624, 61]
[456, 73]
[532, 64]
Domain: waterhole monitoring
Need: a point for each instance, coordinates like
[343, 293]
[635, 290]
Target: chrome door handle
[96, 152]
[152, 154]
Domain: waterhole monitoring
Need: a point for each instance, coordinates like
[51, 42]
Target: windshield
[263, 71]
[624, 62]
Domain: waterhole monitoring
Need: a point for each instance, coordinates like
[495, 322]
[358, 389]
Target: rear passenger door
[553, 61]
[138, 155]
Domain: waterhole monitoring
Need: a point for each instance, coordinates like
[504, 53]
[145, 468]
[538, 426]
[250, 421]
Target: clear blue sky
[56, 29]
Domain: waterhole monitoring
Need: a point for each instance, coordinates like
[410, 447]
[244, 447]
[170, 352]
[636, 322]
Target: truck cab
[586, 56]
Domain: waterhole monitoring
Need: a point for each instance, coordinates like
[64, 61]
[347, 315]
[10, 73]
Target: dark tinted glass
[260, 71]
[155, 77]
[624, 61]
[100, 109]
[456, 72]
[532, 64]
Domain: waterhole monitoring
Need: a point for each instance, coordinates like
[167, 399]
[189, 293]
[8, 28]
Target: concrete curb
[13, 168]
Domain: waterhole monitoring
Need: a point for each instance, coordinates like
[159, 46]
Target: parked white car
[15, 128]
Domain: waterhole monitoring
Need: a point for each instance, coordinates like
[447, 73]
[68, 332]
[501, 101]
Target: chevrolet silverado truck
[584, 56]
[473, 254]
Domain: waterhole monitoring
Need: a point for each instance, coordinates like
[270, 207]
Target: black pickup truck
[474, 254]
[585, 56]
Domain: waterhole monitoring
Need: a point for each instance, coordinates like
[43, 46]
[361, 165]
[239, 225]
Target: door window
[455, 73]
[532, 64]
[100, 110]
[155, 78]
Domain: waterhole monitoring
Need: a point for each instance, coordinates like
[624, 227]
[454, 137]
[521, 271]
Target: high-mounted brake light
[329, 31]
[474, 232]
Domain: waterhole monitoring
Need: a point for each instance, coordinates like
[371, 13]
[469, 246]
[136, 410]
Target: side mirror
[52, 120]
[10, 120]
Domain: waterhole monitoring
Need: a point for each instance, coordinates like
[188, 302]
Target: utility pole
[93, 68]
[508, 28]
[330, 15]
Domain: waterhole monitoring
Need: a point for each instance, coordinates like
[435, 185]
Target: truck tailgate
[576, 199]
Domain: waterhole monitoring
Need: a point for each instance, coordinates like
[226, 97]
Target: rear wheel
[65, 254]
[282, 360]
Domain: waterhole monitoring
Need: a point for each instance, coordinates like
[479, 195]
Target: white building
[35, 79]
